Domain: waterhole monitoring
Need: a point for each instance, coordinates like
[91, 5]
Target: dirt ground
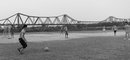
[79, 46]
[44, 36]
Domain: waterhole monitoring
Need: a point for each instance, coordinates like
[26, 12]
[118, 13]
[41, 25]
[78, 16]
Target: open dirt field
[79, 46]
[44, 36]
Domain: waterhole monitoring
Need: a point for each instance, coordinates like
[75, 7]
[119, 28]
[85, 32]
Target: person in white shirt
[22, 39]
[66, 31]
[127, 30]
[12, 31]
[115, 29]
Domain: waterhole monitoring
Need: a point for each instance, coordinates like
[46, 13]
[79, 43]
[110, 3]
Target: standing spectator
[12, 31]
[66, 31]
[61, 29]
[5, 31]
[127, 30]
[115, 29]
[104, 28]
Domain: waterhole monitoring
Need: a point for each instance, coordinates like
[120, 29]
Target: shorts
[115, 31]
[127, 32]
[23, 43]
[66, 33]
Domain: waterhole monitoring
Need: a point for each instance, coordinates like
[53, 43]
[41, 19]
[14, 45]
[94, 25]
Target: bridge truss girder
[19, 18]
[114, 19]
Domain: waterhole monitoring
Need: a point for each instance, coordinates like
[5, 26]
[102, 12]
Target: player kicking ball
[22, 39]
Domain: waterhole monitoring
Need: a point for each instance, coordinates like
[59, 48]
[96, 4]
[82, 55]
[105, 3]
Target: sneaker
[21, 53]
[19, 50]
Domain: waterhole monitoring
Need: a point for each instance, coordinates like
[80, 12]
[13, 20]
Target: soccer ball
[9, 38]
[46, 49]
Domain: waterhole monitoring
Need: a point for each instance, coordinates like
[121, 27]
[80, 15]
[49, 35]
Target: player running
[22, 39]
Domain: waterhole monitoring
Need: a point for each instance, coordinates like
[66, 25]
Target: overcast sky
[78, 9]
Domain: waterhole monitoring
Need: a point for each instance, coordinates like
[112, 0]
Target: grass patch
[93, 48]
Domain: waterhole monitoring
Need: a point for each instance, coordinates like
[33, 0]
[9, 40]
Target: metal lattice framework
[20, 18]
[114, 19]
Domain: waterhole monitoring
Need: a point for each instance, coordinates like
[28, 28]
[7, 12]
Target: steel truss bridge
[115, 19]
[19, 18]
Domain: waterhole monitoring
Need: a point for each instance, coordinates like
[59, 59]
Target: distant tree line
[78, 27]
